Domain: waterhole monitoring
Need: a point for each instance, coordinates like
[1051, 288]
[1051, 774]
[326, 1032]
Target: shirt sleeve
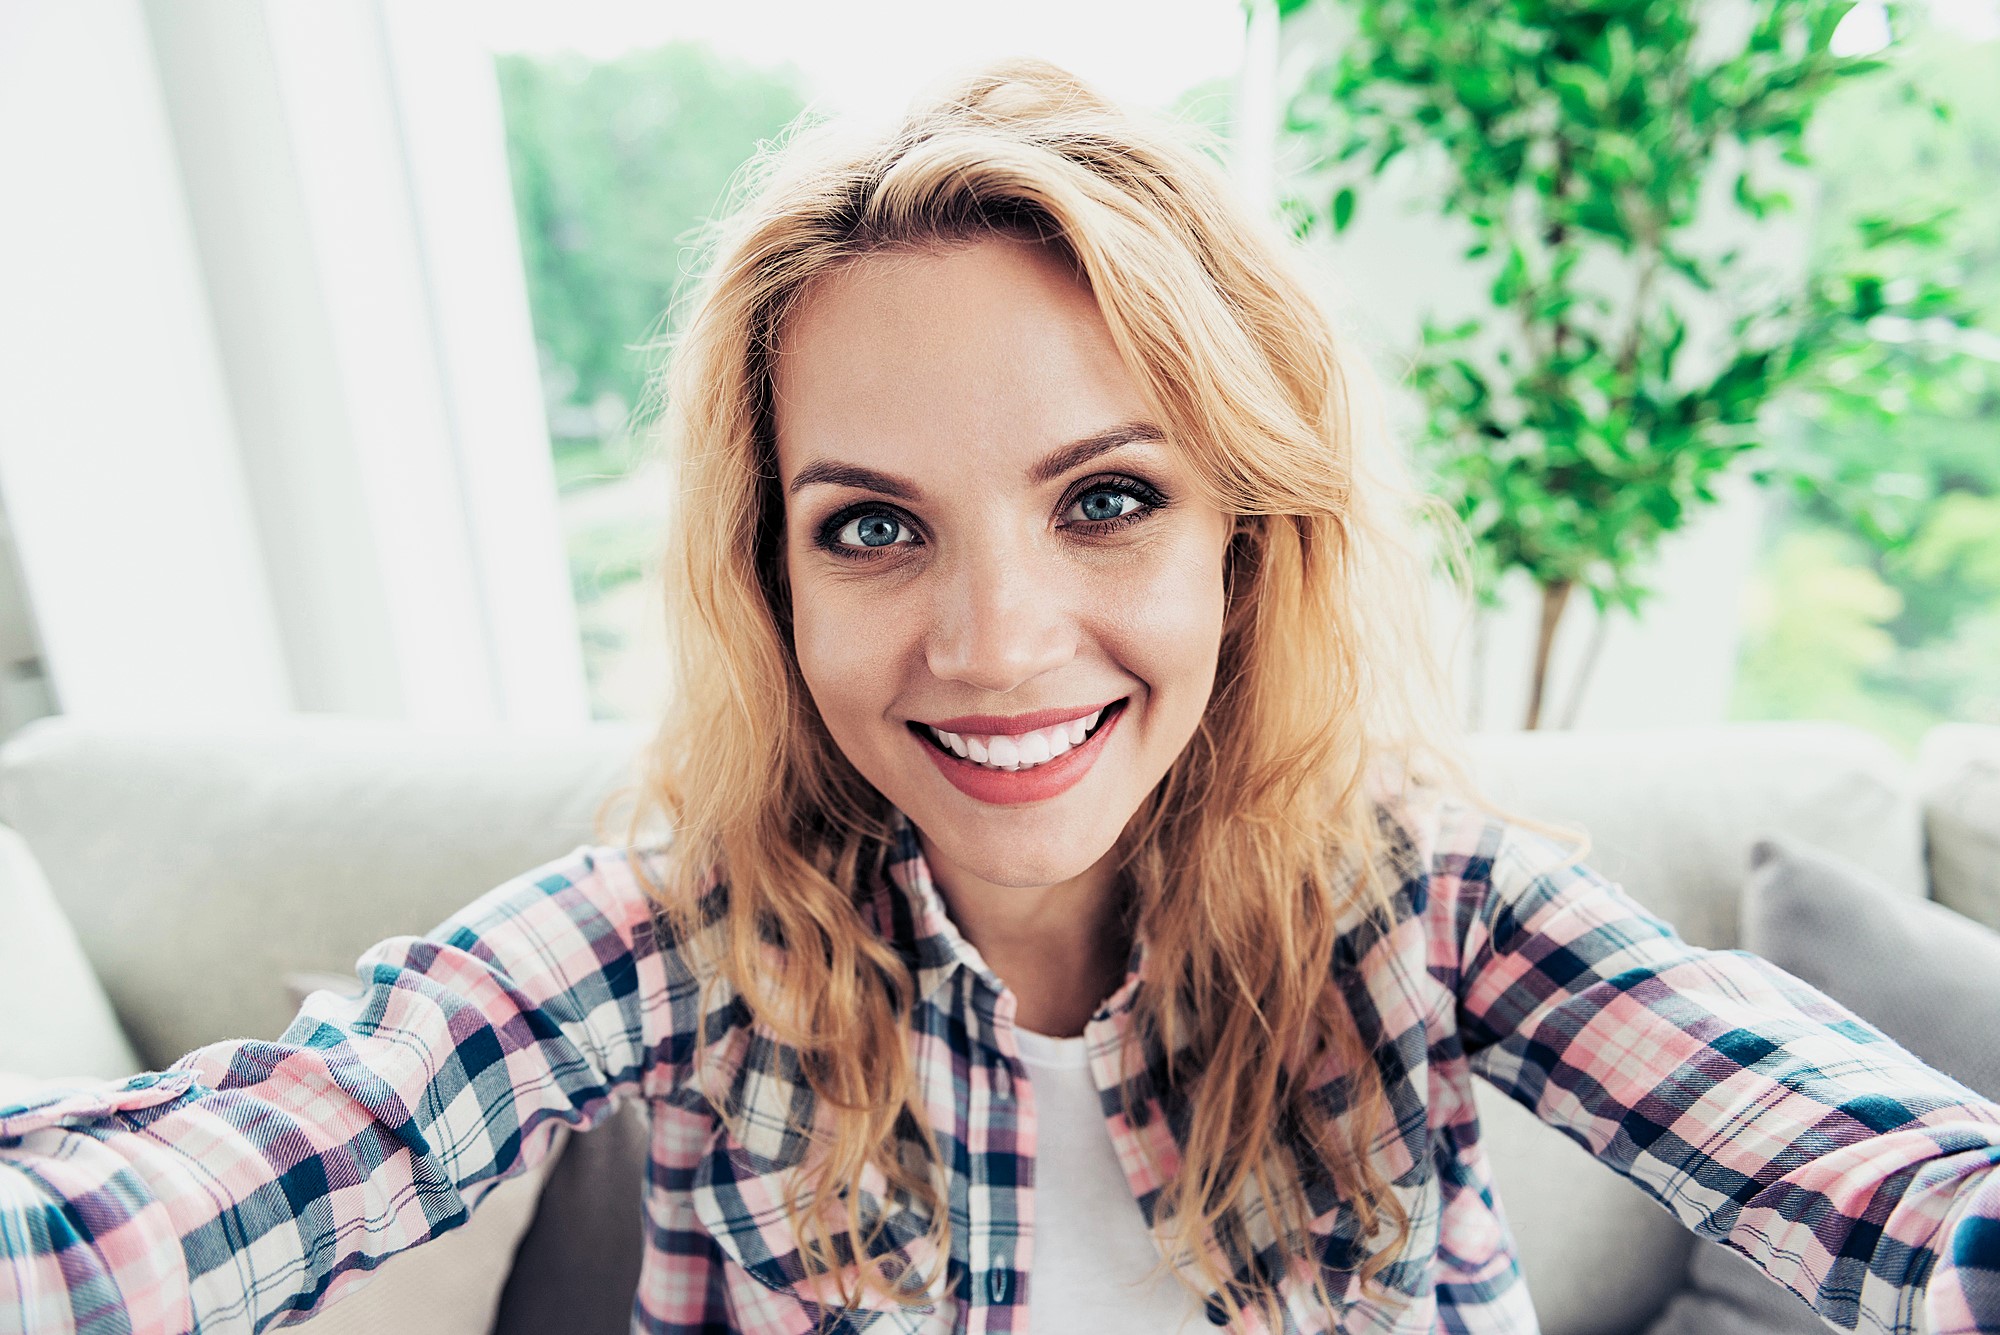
[251, 1183]
[1763, 1114]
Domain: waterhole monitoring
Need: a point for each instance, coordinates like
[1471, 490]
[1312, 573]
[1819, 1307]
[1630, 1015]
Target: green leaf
[1343, 208]
[1513, 278]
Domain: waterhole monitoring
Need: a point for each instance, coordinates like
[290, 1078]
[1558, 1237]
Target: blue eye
[1102, 503]
[873, 529]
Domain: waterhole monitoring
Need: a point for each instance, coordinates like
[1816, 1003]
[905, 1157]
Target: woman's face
[984, 537]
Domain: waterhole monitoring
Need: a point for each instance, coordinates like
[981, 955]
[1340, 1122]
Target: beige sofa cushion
[263, 860]
[1958, 774]
[55, 1020]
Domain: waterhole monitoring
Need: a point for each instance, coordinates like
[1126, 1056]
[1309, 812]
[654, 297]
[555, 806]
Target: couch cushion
[1672, 815]
[1925, 975]
[55, 1020]
[240, 854]
[1843, 931]
[1958, 775]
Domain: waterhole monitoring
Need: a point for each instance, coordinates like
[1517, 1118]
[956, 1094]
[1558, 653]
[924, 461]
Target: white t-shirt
[1092, 1252]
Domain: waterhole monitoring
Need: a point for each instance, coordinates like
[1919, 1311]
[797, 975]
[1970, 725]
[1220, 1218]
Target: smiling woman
[1058, 555]
[1076, 916]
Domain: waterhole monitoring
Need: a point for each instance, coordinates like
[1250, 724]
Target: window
[1877, 598]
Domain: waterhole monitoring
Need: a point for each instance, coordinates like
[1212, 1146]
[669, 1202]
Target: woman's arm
[1763, 1114]
[251, 1181]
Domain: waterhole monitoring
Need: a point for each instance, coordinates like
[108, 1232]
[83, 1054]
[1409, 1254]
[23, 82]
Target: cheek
[1167, 617]
[822, 649]
[846, 651]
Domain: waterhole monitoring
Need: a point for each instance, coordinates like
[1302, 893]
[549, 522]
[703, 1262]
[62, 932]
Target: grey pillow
[577, 1270]
[1925, 976]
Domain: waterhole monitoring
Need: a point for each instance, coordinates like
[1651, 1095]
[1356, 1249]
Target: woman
[1076, 917]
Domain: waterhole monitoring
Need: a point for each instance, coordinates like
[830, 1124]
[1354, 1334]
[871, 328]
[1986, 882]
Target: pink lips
[1013, 787]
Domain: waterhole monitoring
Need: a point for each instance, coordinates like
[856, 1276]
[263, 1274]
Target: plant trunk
[1598, 629]
[1554, 598]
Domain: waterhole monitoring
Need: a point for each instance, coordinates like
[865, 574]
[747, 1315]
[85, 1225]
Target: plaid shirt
[253, 1182]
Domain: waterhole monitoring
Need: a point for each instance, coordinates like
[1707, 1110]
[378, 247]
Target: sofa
[165, 887]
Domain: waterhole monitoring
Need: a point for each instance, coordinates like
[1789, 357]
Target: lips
[1038, 784]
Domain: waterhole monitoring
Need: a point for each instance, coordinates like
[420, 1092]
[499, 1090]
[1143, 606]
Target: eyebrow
[1051, 466]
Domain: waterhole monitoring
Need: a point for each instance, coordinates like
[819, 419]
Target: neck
[1060, 949]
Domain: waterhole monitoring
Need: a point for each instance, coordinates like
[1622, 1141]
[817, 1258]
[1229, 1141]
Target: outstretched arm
[253, 1182]
[1766, 1116]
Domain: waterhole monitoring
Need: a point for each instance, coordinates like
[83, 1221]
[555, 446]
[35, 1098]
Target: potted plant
[1620, 359]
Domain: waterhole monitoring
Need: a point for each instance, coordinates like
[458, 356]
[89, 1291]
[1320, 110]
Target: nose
[1000, 619]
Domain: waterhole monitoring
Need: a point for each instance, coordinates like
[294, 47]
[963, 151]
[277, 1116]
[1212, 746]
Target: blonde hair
[1266, 835]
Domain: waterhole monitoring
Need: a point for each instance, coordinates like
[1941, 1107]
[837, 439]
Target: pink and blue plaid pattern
[255, 1182]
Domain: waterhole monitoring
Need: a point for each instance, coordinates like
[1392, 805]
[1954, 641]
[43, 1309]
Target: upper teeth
[1023, 750]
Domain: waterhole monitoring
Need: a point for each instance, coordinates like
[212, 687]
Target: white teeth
[1019, 751]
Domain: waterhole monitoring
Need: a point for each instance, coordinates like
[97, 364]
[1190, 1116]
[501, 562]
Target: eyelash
[1150, 501]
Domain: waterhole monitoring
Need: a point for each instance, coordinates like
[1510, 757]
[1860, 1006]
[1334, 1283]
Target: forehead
[977, 355]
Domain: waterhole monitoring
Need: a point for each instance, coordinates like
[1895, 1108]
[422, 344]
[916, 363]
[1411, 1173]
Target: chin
[998, 860]
[1016, 875]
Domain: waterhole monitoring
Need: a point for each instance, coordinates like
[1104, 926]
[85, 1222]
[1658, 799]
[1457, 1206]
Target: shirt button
[999, 1283]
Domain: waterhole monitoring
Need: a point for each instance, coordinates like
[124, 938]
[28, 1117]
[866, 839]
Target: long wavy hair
[1264, 837]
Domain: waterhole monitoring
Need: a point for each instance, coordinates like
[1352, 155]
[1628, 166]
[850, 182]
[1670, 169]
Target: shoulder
[1475, 876]
[575, 905]
[580, 933]
[1454, 840]
[591, 892]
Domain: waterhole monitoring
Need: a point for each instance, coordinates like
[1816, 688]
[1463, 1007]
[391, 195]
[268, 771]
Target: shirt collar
[908, 912]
